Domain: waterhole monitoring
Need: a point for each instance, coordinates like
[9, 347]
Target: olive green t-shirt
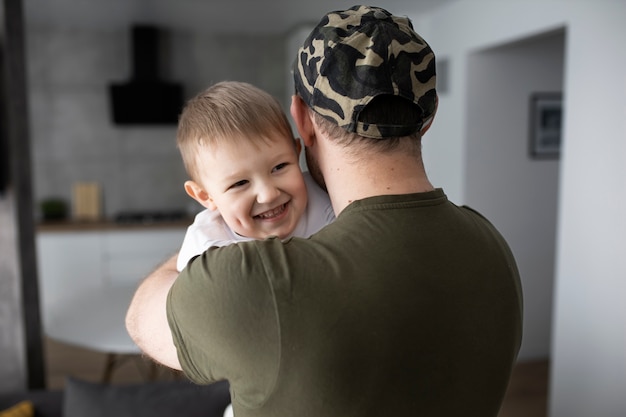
[406, 305]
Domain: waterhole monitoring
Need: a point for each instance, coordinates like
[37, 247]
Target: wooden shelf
[76, 226]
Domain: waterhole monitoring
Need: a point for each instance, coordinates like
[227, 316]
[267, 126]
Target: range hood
[145, 99]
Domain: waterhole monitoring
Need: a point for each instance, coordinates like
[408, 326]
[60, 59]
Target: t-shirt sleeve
[224, 322]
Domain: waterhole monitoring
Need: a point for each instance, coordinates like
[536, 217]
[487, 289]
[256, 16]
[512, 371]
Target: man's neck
[385, 175]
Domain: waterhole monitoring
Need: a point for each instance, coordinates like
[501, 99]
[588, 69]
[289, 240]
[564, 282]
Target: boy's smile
[255, 183]
[274, 214]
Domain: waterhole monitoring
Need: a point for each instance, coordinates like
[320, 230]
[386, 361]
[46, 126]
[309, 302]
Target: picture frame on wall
[546, 115]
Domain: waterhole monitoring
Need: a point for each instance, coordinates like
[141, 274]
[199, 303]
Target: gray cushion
[154, 399]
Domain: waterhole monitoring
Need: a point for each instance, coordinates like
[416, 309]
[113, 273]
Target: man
[406, 305]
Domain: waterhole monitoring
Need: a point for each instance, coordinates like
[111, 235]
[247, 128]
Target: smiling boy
[238, 149]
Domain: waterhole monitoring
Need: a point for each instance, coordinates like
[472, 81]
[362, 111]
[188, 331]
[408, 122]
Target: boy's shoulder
[208, 216]
[313, 188]
[211, 225]
[319, 208]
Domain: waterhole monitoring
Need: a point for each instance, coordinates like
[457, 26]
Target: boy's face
[257, 187]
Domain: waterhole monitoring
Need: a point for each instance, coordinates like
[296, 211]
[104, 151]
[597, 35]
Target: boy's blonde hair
[228, 110]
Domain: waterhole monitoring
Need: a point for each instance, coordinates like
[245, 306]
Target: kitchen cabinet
[74, 261]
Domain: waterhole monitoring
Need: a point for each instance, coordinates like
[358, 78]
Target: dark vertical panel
[4, 147]
[15, 99]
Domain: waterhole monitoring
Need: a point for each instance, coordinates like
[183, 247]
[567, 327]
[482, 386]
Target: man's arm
[146, 319]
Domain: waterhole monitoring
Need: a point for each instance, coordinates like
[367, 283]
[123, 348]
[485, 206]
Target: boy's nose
[267, 193]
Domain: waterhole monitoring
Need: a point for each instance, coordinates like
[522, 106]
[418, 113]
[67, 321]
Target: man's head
[360, 62]
[238, 149]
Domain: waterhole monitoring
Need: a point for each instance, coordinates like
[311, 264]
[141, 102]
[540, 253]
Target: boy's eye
[280, 166]
[239, 184]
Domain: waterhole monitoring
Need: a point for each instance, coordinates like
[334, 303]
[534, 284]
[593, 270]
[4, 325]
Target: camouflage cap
[355, 55]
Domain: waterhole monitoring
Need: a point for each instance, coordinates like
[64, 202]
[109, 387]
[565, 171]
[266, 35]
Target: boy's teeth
[272, 213]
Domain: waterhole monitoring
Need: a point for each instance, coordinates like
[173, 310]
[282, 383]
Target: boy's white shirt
[209, 229]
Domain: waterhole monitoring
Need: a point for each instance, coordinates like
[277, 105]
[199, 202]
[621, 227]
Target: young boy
[239, 150]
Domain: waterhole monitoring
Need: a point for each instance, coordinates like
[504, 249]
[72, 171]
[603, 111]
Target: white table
[88, 274]
[96, 320]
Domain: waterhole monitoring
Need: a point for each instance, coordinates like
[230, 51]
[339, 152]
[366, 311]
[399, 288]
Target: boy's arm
[146, 319]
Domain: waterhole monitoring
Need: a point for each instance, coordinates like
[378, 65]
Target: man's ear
[302, 119]
[429, 122]
[195, 191]
[298, 145]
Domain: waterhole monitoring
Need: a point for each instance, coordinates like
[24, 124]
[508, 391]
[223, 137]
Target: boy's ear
[302, 120]
[195, 191]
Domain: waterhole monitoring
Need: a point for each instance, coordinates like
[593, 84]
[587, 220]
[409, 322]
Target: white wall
[588, 372]
[590, 316]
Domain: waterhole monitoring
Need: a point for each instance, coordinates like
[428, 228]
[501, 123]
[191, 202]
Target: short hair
[228, 110]
[389, 110]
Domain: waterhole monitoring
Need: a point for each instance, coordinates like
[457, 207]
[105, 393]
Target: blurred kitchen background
[78, 49]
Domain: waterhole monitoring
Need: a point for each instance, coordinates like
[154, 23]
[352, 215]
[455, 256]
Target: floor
[528, 391]
[526, 396]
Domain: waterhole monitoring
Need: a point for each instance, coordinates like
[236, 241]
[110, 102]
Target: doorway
[516, 190]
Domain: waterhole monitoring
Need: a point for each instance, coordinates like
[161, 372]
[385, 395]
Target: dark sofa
[46, 403]
[154, 399]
